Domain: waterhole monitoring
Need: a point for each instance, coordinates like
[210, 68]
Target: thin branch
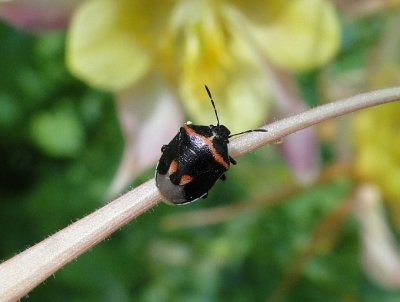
[281, 128]
[23, 272]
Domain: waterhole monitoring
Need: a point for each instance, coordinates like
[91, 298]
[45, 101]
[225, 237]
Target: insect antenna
[212, 102]
[248, 131]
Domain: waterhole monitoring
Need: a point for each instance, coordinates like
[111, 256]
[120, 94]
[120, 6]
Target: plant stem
[23, 272]
[279, 129]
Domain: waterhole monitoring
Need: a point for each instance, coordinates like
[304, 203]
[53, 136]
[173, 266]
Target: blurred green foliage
[60, 144]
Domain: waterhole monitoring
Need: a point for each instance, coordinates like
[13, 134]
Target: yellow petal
[261, 11]
[216, 55]
[376, 136]
[242, 104]
[103, 47]
[301, 35]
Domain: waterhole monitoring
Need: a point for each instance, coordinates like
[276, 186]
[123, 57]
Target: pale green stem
[25, 271]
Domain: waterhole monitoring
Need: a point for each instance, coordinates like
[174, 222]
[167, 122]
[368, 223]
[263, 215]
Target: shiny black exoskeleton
[194, 160]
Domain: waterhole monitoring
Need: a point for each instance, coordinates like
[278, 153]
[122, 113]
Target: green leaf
[59, 132]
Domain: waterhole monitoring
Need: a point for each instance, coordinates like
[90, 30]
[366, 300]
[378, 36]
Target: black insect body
[194, 160]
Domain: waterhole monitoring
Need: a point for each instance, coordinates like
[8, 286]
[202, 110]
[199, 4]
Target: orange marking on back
[185, 179]
[173, 167]
[218, 158]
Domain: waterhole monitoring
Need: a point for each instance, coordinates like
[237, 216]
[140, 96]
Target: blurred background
[91, 90]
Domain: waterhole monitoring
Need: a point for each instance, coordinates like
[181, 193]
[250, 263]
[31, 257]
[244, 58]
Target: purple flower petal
[38, 15]
[149, 118]
[300, 149]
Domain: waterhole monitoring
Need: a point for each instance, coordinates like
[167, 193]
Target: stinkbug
[194, 160]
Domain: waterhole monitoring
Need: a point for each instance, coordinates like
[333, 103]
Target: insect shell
[194, 160]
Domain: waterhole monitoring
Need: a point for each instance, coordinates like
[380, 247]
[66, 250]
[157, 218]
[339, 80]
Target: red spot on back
[173, 167]
[185, 179]
[200, 140]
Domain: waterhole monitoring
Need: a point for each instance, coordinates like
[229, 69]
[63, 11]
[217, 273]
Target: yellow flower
[115, 44]
[150, 52]
[377, 141]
